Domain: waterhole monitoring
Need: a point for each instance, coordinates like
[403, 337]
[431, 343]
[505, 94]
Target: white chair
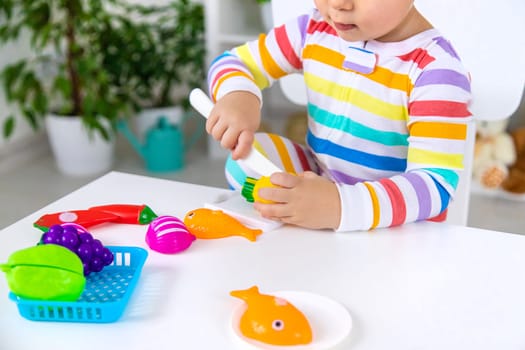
[489, 38]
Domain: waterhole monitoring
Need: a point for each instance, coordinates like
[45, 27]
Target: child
[387, 115]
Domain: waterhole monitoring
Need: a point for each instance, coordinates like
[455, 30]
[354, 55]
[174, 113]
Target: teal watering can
[164, 147]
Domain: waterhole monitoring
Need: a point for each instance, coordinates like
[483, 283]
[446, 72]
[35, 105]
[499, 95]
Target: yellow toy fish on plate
[288, 320]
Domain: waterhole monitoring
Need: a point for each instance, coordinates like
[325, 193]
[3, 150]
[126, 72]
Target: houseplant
[64, 78]
[159, 70]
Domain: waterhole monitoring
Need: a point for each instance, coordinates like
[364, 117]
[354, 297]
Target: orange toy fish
[272, 320]
[206, 223]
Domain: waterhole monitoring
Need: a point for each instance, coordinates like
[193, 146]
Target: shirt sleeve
[257, 64]
[438, 119]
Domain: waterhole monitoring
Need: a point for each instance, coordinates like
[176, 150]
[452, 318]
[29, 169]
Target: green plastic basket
[104, 298]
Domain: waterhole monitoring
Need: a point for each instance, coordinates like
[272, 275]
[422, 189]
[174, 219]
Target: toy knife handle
[201, 102]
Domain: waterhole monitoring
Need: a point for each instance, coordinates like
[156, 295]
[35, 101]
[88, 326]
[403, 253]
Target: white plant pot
[78, 152]
[148, 118]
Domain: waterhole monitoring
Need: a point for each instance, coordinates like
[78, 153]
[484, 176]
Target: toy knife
[254, 160]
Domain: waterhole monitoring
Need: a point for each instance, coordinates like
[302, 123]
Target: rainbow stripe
[391, 136]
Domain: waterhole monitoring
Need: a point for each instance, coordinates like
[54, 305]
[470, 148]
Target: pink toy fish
[168, 235]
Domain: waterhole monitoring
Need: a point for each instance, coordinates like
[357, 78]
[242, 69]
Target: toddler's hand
[234, 120]
[306, 200]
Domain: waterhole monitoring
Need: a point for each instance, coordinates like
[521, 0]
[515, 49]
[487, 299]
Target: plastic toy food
[272, 320]
[45, 272]
[116, 213]
[206, 223]
[91, 251]
[251, 187]
[168, 235]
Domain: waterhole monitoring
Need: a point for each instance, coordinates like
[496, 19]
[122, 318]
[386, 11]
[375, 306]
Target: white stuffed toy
[494, 152]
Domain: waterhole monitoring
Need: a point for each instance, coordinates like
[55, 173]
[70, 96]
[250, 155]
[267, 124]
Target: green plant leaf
[40, 104]
[62, 85]
[9, 126]
[10, 75]
[31, 117]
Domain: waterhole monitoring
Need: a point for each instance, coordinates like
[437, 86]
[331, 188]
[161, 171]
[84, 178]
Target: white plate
[330, 321]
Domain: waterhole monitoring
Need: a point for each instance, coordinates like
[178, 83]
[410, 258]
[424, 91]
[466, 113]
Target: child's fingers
[273, 211]
[277, 212]
[275, 194]
[229, 139]
[243, 146]
[309, 175]
[210, 122]
[286, 180]
[218, 131]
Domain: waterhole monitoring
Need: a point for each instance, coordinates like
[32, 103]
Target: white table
[421, 286]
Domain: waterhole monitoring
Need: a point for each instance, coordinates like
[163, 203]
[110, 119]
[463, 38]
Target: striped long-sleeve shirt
[386, 121]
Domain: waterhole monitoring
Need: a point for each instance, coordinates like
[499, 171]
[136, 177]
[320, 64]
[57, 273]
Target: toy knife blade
[254, 160]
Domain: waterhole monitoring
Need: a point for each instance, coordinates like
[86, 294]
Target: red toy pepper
[128, 213]
[116, 213]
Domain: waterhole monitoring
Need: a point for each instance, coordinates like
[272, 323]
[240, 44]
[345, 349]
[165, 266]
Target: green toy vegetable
[45, 272]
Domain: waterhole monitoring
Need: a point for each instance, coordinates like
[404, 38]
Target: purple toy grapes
[91, 251]
[85, 252]
[70, 239]
[85, 237]
[56, 230]
[51, 238]
[107, 256]
[97, 247]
